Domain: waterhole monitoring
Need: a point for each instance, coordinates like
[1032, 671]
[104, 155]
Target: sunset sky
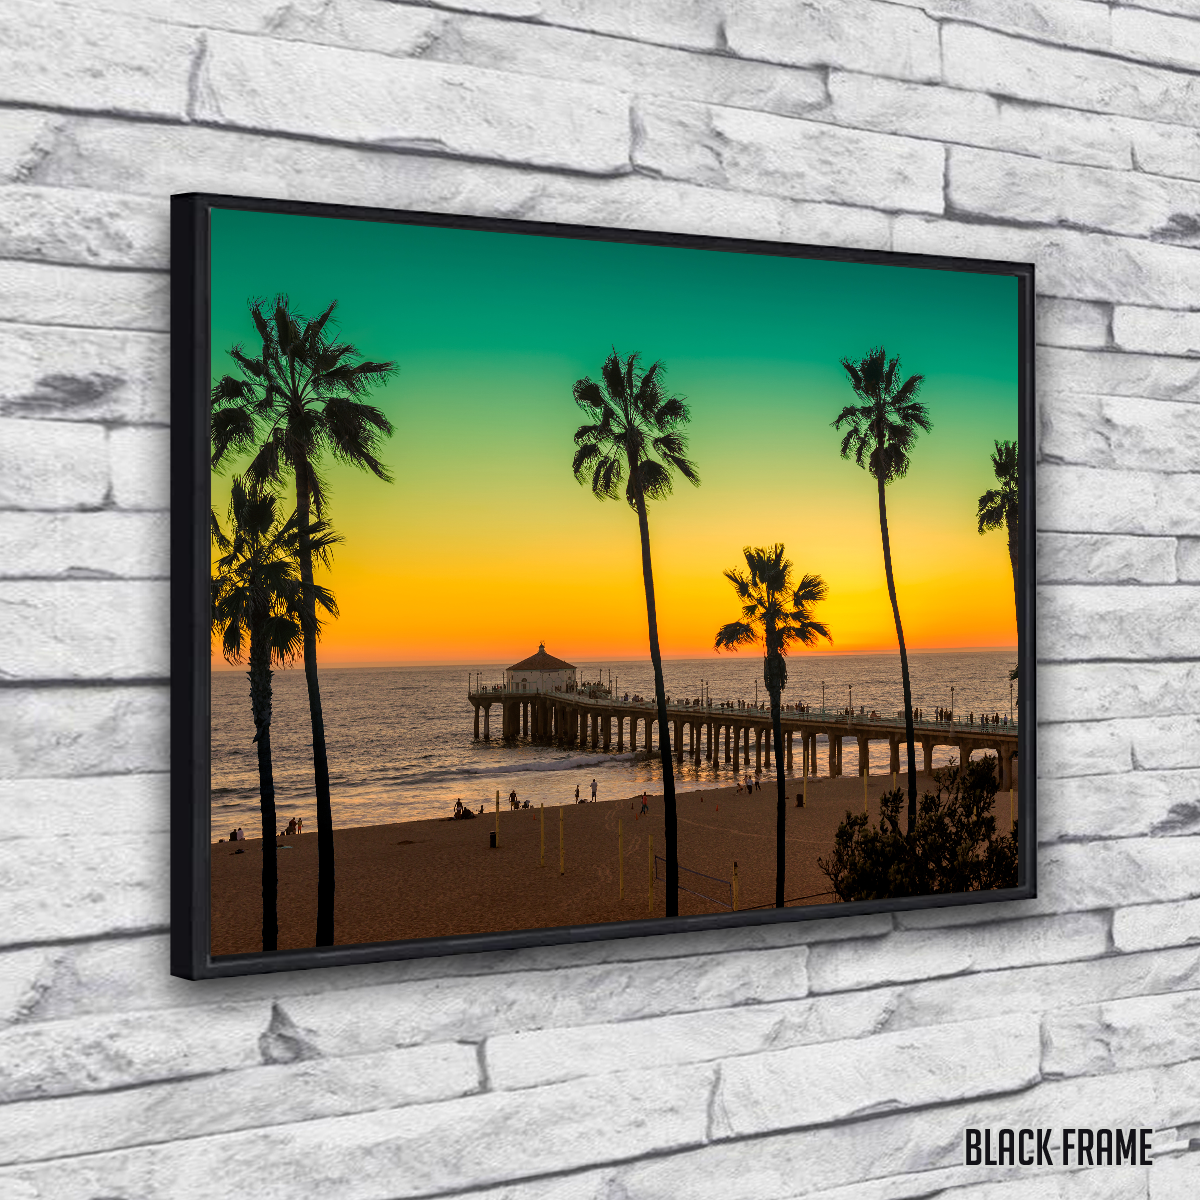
[485, 545]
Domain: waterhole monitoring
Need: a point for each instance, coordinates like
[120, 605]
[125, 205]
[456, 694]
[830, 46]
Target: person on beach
[757, 784]
[645, 809]
[299, 825]
[593, 791]
[512, 799]
[577, 793]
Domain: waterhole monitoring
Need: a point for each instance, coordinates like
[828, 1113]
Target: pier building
[540, 672]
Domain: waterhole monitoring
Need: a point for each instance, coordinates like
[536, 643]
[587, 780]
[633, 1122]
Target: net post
[650, 894]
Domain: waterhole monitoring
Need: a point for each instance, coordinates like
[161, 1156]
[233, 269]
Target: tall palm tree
[880, 433]
[632, 419]
[302, 395]
[998, 506]
[258, 613]
[777, 615]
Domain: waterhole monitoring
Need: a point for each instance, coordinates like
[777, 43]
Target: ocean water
[401, 739]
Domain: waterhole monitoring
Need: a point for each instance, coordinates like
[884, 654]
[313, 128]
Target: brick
[95, 545]
[39, 294]
[1111, 874]
[1075, 323]
[1156, 926]
[415, 1150]
[1122, 1035]
[1040, 989]
[46, 466]
[814, 1085]
[141, 462]
[539, 1057]
[693, 24]
[1128, 623]
[89, 731]
[972, 118]
[1166, 743]
[83, 228]
[248, 1096]
[82, 375]
[396, 104]
[1158, 803]
[1015, 187]
[627, 66]
[1155, 331]
[1170, 150]
[82, 885]
[438, 1009]
[1071, 264]
[54, 808]
[1008, 66]
[1187, 559]
[1184, 8]
[1085, 499]
[1100, 558]
[1093, 748]
[856, 35]
[1156, 37]
[1096, 691]
[1113, 373]
[1081, 23]
[759, 152]
[132, 67]
[913, 955]
[1120, 431]
[84, 629]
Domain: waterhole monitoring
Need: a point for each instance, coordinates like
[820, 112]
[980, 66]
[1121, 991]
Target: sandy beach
[432, 878]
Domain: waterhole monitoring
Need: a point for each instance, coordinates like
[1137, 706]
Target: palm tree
[777, 615]
[998, 506]
[303, 394]
[631, 419]
[879, 436]
[258, 612]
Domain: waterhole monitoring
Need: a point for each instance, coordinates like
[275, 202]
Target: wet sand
[433, 878]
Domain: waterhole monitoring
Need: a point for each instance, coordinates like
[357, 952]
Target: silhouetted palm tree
[879, 436]
[998, 506]
[258, 612]
[303, 395]
[777, 615]
[632, 419]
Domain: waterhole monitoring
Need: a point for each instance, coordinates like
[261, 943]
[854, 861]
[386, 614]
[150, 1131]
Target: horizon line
[594, 660]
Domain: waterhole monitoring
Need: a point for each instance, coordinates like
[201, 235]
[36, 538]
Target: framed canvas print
[536, 583]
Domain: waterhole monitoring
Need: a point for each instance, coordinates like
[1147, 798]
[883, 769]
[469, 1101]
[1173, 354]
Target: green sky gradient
[490, 330]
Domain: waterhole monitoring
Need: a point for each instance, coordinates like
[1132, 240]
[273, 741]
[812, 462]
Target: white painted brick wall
[839, 1060]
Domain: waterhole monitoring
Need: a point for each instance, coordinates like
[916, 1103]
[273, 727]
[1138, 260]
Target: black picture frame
[190, 598]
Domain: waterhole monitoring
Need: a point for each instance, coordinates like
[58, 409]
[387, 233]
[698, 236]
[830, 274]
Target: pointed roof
[541, 661]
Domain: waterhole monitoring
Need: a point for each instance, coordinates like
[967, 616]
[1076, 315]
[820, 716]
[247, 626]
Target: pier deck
[599, 722]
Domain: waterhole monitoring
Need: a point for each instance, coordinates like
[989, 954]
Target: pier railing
[863, 714]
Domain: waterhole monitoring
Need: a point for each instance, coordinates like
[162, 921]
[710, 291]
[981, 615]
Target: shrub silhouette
[956, 847]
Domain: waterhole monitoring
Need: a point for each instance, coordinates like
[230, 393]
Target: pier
[719, 732]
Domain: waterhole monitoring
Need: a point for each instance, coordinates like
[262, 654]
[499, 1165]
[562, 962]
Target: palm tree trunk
[1012, 558]
[325, 872]
[260, 703]
[908, 713]
[670, 816]
[781, 807]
